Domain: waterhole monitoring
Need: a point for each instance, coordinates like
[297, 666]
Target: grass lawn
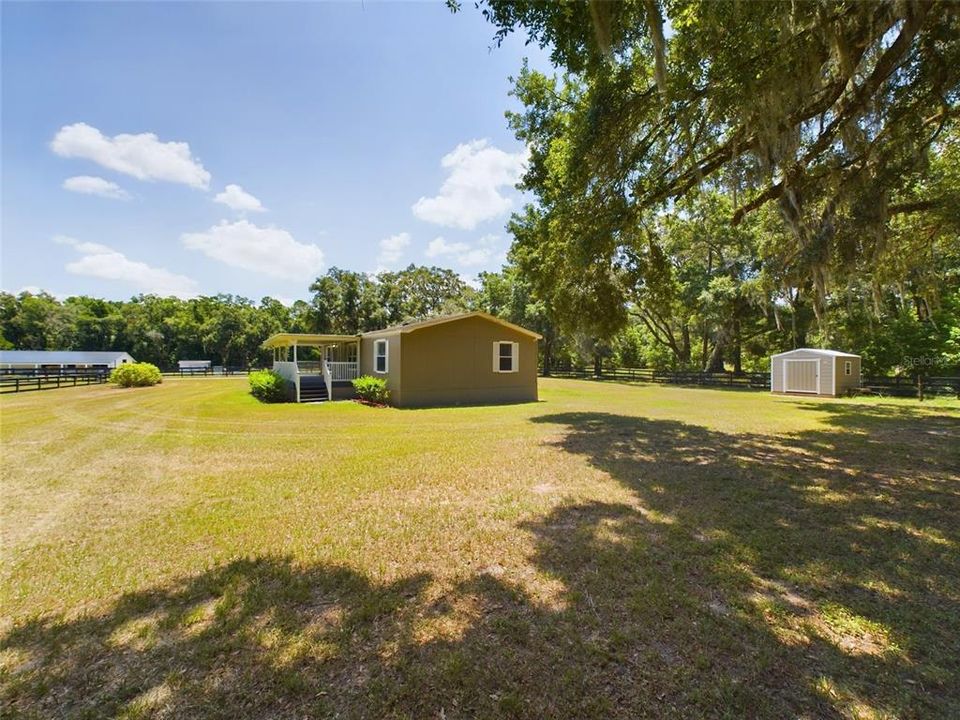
[611, 551]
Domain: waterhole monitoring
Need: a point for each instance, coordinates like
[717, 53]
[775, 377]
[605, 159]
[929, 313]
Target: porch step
[313, 397]
[313, 390]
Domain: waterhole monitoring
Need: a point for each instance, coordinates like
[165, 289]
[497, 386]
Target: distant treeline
[229, 329]
[226, 329]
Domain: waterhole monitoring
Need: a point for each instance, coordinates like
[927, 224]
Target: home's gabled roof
[817, 351]
[307, 339]
[61, 357]
[430, 322]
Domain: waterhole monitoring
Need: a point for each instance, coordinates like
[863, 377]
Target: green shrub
[268, 386]
[372, 389]
[141, 374]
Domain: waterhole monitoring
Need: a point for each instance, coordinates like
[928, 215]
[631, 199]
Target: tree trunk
[705, 338]
[597, 365]
[798, 334]
[716, 357]
[685, 345]
[737, 351]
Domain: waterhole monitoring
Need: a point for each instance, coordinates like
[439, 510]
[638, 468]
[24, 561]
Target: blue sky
[244, 148]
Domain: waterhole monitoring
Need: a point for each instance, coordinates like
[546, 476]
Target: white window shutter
[496, 357]
[515, 364]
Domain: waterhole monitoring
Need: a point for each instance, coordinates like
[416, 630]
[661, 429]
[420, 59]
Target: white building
[57, 360]
[811, 371]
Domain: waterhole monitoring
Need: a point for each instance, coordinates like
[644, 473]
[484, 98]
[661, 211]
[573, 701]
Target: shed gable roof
[816, 351]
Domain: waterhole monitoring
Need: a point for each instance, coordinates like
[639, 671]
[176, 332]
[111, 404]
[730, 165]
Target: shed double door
[801, 376]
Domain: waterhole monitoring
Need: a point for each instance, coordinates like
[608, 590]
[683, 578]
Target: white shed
[811, 371]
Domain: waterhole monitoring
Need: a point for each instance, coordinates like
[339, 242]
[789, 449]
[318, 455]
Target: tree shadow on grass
[747, 576]
[842, 545]
[254, 638]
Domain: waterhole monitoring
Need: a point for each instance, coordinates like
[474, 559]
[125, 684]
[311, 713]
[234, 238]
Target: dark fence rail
[51, 371]
[755, 381]
[901, 386]
[13, 382]
[205, 372]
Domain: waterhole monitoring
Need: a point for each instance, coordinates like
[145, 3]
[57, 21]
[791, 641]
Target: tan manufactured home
[811, 371]
[472, 358]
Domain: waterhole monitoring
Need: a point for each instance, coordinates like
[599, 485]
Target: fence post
[920, 387]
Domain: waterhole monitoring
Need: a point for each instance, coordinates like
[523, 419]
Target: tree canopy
[726, 172]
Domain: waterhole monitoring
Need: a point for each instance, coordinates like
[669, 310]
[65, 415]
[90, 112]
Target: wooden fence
[901, 386]
[754, 381]
[13, 382]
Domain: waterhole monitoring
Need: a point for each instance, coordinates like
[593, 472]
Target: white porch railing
[289, 371]
[343, 370]
[331, 372]
[327, 381]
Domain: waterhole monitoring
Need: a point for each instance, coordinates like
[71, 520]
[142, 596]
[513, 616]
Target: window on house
[847, 368]
[380, 352]
[505, 357]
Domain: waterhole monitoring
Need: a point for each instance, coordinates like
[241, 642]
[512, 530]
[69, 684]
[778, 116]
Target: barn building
[62, 360]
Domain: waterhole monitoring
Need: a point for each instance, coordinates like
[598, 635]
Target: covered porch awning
[286, 340]
[337, 361]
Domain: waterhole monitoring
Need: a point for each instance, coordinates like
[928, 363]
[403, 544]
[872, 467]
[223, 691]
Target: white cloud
[90, 185]
[269, 250]
[439, 247]
[37, 290]
[391, 250]
[142, 156]
[471, 280]
[461, 253]
[471, 192]
[105, 263]
[236, 198]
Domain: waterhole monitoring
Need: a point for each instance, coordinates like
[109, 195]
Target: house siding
[845, 382]
[394, 361]
[452, 363]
